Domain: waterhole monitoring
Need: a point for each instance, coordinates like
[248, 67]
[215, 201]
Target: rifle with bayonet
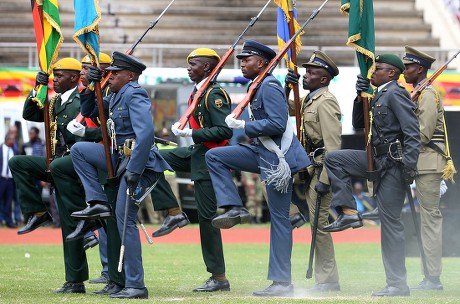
[416, 93]
[272, 65]
[215, 72]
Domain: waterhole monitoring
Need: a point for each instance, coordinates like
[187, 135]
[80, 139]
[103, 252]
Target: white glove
[76, 128]
[442, 188]
[185, 132]
[234, 123]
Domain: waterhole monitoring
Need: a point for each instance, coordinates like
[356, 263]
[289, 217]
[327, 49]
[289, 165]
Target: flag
[361, 35]
[86, 29]
[47, 25]
[282, 28]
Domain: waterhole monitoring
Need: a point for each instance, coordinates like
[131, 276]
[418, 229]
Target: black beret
[251, 47]
[121, 61]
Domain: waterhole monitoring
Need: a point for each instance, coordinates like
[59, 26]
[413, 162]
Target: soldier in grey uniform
[430, 165]
[321, 132]
[394, 127]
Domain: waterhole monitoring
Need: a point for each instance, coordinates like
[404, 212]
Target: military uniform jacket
[63, 114]
[430, 113]
[131, 113]
[393, 118]
[270, 116]
[322, 122]
[210, 114]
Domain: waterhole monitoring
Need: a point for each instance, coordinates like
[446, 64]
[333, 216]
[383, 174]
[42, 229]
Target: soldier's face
[411, 73]
[84, 71]
[383, 73]
[64, 80]
[251, 66]
[197, 69]
[314, 78]
[119, 78]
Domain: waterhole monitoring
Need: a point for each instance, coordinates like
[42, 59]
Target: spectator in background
[7, 185]
[363, 201]
[35, 145]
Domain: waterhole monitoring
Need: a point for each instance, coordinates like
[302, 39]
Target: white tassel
[278, 175]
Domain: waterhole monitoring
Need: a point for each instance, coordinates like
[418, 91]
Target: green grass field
[172, 271]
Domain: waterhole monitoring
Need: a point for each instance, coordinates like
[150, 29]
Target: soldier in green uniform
[321, 132]
[208, 130]
[64, 107]
[430, 164]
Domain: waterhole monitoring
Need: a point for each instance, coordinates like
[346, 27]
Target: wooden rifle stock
[416, 93]
[272, 65]
[215, 72]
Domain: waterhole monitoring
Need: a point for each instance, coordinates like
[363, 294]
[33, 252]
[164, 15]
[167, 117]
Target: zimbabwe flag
[47, 25]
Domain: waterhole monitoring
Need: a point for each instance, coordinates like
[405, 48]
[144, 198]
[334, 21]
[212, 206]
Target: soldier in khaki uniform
[321, 132]
[430, 113]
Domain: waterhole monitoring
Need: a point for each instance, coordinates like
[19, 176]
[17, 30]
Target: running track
[190, 235]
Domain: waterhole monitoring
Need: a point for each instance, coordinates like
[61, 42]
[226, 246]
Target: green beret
[415, 56]
[321, 60]
[392, 60]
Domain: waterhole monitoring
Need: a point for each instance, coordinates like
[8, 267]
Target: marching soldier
[140, 166]
[321, 133]
[63, 108]
[430, 165]
[396, 145]
[274, 150]
[208, 130]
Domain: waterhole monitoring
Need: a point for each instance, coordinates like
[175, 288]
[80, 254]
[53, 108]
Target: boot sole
[229, 222]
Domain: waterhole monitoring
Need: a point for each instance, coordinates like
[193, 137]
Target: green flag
[361, 35]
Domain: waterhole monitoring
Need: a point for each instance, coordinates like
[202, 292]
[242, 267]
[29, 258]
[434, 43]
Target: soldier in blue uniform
[274, 145]
[394, 123]
[133, 137]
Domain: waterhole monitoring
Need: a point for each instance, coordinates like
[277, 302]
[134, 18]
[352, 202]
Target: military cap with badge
[319, 59]
[121, 61]
[415, 56]
[251, 48]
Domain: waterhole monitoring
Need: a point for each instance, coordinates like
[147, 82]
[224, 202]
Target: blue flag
[86, 30]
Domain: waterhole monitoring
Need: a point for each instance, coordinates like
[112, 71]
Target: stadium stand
[215, 23]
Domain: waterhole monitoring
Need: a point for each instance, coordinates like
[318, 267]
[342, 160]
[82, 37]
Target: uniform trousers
[427, 192]
[88, 158]
[220, 163]
[341, 167]
[211, 239]
[325, 264]
[26, 169]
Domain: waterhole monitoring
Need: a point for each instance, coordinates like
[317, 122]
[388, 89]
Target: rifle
[272, 65]
[314, 232]
[416, 93]
[215, 72]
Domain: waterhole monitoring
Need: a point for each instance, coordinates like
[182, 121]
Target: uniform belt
[381, 149]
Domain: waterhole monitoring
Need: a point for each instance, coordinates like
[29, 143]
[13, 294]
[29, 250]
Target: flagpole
[295, 87]
[46, 114]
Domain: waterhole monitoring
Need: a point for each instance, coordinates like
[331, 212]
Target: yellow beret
[67, 64]
[203, 52]
[103, 59]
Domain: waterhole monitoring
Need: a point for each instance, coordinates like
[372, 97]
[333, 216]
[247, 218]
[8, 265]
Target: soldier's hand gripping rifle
[416, 93]
[215, 72]
[272, 65]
